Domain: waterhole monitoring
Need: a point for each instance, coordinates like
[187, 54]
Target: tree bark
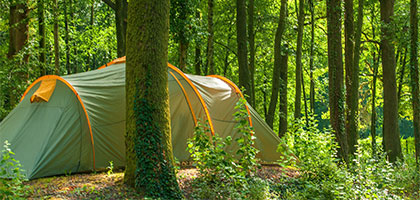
[375, 75]
[210, 43]
[414, 72]
[18, 31]
[121, 26]
[283, 94]
[183, 48]
[391, 132]
[276, 83]
[41, 32]
[56, 41]
[148, 132]
[402, 74]
[244, 80]
[335, 74]
[251, 41]
[298, 72]
[311, 61]
[67, 38]
[198, 61]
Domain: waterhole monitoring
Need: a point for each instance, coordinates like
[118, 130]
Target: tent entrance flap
[45, 90]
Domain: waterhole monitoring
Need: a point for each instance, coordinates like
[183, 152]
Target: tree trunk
[390, 126]
[311, 61]
[92, 17]
[244, 80]
[251, 41]
[148, 134]
[66, 28]
[121, 26]
[283, 94]
[198, 61]
[305, 103]
[56, 44]
[335, 74]
[183, 48]
[298, 77]
[41, 32]
[210, 49]
[414, 71]
[375, 75]
[402, 74]
[276, 84]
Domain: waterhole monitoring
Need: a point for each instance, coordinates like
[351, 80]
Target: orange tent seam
[237, 90]
[186, 97]
[78, 97]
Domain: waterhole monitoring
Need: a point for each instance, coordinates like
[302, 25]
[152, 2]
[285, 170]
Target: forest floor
[105, 185]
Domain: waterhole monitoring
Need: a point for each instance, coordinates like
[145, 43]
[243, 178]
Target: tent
[76, 123]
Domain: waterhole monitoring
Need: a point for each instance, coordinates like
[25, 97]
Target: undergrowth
[322, 176]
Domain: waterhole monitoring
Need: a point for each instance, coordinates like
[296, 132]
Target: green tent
[76, 123]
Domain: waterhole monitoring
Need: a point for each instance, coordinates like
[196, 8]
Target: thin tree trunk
[414, 71]
[305, 103]
[275, 84]
[150, 163]
[335, 74]
[244, 80]
[66, 28]
[298, 77]
[198, 61]
[210, 49]
[375, 74]
[402, 74]
[121, 26]
[92, 17]
[56, 44]
[283, 94]
[311, 61]
[183, 48]
[390, 126]
[251, 41]
[41, 32]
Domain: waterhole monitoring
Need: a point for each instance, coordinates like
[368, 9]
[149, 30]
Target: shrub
[11, 175]
[223, 176]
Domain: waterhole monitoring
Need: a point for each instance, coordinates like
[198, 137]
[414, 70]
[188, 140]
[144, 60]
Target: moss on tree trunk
[148, 133]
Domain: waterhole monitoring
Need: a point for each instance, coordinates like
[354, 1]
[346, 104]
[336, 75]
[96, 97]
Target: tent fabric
[82, 126]
[44, 91]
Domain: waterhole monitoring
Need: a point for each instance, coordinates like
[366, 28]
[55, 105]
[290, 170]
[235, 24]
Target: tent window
[45, 90]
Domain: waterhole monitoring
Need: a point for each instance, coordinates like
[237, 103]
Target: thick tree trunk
[298, 72]
[210, 43]
[276, 84]
[56, 41]
[244, 80]
[148, 134]
[335, 74]
[311, 61]
[391, 132]
[414, 71]
[18, 31]
[283, 95]
[41, 32]
[251, 41]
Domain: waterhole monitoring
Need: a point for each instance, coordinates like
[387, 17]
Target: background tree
[148, 131]
[210, 39]
[414, 69]
[244, 80]
[277, 80]
[335, 75]
[298, 76]
[391, 132]
[120, 8]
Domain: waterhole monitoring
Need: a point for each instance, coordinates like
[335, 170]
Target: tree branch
[110, 4]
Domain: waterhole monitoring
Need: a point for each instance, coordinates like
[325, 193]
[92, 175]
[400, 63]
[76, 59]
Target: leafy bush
[223, 176]
[368, 176]
[11, 181]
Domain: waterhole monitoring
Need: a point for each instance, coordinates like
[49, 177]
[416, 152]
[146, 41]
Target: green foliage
[222, 176]
[110, 168]
[12, 177]
[366, 177]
